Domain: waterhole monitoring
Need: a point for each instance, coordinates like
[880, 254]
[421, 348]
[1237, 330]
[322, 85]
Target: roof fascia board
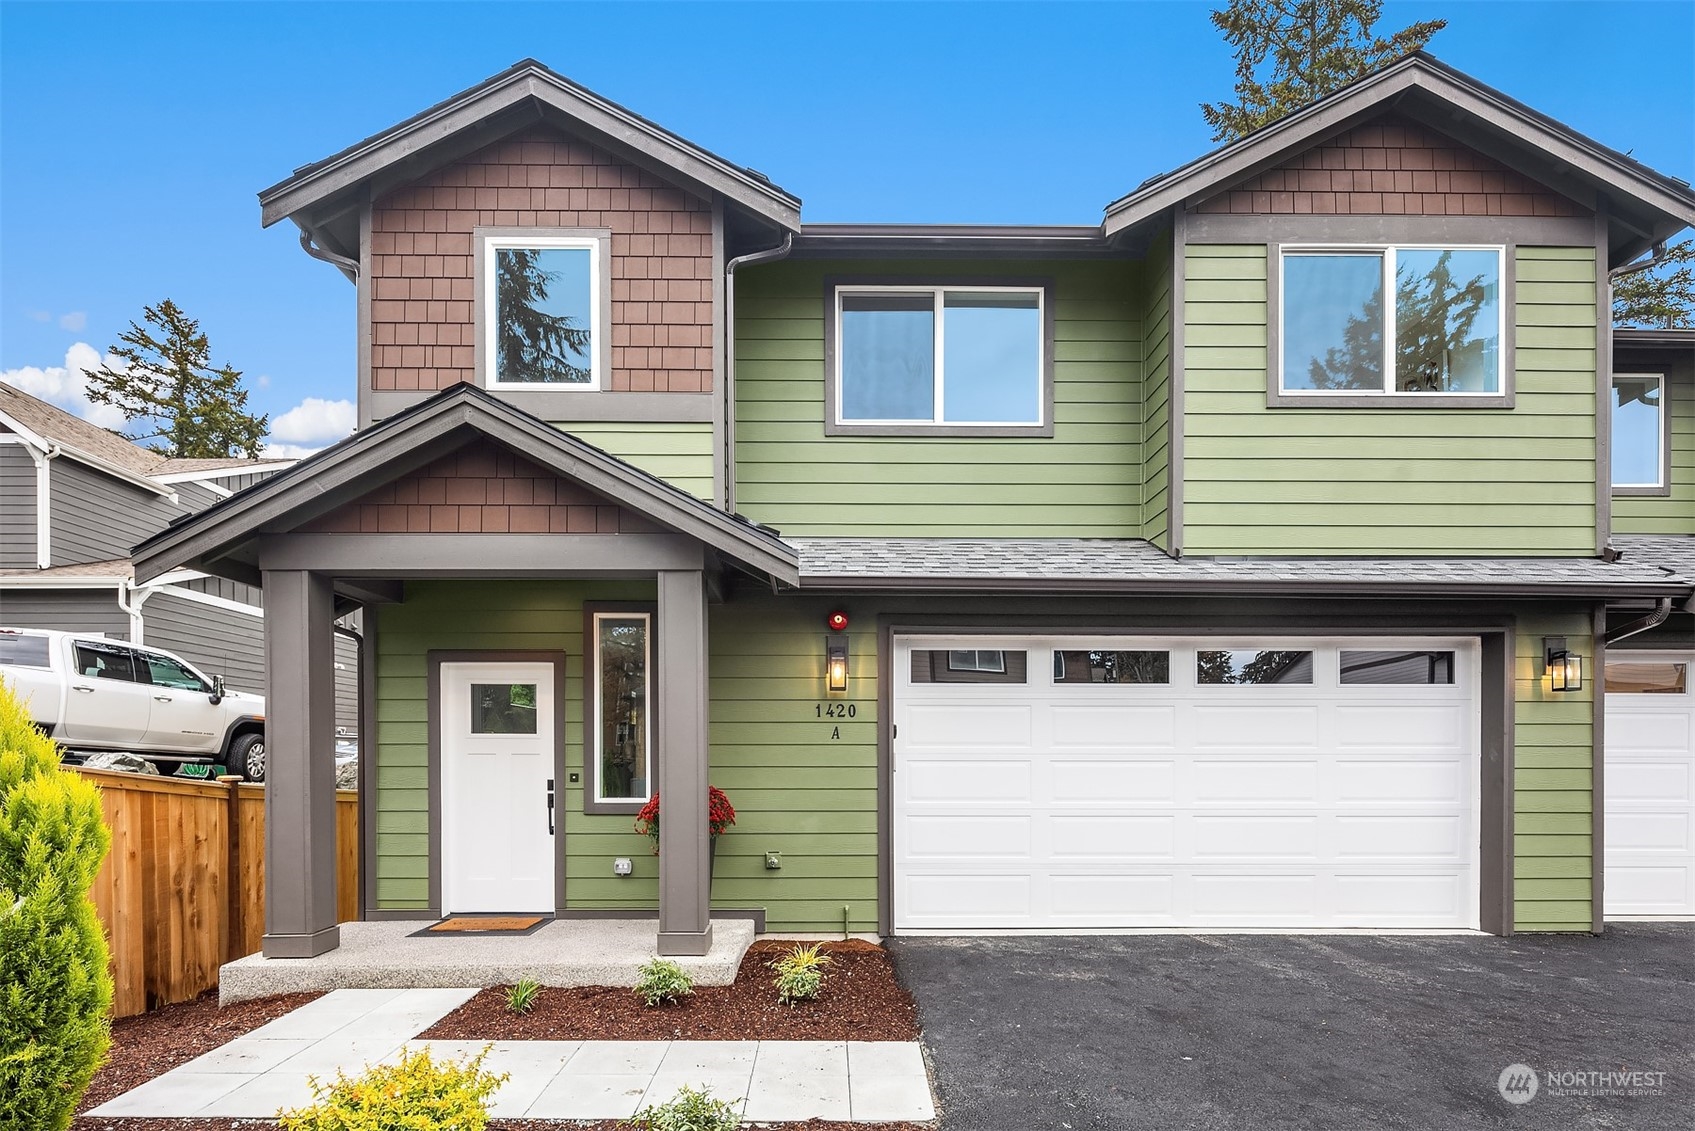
[223, 472]
[1233, 587]
[603, 121]
[413, 441]
[71, 451]
[1307, 127]
[26, 435]
[51, 582]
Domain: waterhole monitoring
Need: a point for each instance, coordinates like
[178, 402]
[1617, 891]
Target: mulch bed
[861, 1002]
[154, 1043]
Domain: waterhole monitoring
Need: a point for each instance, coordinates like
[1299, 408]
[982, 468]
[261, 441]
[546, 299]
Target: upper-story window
[1639, 432]
[1396, 321]
[540, 313]
[915, 359]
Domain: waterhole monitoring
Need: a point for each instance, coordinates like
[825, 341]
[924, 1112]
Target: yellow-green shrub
[55, 986]
[417, 1094]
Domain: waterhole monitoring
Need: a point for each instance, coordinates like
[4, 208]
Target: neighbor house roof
[1135, 566]
[1652, 205]
[402, 442]
[98, 447]
[108, 572]
[1653, 337]
[523, 94]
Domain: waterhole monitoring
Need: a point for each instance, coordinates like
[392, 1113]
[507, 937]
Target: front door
[497, 762]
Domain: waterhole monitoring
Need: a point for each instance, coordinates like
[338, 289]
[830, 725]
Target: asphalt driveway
[1185, 1032]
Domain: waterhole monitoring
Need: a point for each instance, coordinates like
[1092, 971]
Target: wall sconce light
[836, 654]
[1563, 667]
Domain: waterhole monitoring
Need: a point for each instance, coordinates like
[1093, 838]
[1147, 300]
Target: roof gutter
[313, 246]
[768, 255]
[1636, 627]
[1230, 587]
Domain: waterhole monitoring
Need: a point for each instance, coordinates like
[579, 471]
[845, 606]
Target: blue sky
[133, 137]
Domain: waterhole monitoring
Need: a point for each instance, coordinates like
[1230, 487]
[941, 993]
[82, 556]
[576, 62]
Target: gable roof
[524, 93]
[90, 444]
[406, 441]
[1647, 205]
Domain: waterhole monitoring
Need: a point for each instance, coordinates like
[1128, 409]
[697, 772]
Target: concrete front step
[566, 952]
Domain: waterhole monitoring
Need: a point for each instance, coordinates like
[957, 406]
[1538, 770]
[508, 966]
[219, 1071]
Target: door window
[166, 672]
[107, 661]
[503, 708]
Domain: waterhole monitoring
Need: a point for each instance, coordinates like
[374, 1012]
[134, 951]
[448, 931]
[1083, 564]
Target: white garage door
[1650, 786]
[1101, 783]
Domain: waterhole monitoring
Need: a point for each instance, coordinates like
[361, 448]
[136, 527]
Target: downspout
[309, 244]
[769, 255]
[1653, 620]
[43, 502]
[130, 598]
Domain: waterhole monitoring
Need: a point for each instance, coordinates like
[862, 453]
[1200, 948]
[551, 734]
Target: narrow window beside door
[623, 751]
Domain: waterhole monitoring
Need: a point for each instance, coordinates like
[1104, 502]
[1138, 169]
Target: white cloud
[76, 321]
[67, 385]
[287, 451]
[313, 421]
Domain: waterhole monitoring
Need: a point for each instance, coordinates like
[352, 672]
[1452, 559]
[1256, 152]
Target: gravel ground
[1267, 1032]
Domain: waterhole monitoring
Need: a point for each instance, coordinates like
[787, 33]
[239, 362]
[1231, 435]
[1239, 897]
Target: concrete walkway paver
[267, 1069]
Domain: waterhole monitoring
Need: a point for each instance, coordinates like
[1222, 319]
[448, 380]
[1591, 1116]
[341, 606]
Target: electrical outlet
[773, 861]
[622, 866]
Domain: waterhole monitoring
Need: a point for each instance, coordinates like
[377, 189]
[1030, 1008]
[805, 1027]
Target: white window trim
[599, 730]
[1660, 450]
[489, 245]
[1387, 253]
[939, 293]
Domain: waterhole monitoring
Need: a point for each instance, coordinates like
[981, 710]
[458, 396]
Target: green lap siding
[676, 451]
[1412, 481]
[1673, 513]
[1085, 480]
[1553, 782]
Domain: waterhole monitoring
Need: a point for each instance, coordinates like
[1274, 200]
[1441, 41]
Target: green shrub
[663, 981]
[417, 1094]
[800, 974]
[521, 998]
[55, 986]
[688, 1110]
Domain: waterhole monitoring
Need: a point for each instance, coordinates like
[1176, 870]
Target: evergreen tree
[1292, 52]
[1662, 297]
[531, 344]
[168, 383]
[55, 985]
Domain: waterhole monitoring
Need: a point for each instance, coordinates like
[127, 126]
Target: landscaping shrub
[663, 981]
[521, 998]
[417, 1094]
[800, 973]
[688, 1110]
[55, 986]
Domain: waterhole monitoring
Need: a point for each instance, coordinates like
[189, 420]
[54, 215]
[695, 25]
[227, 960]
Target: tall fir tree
[186, 407]
[1292, 52]
[530, 343]
[1662, 297]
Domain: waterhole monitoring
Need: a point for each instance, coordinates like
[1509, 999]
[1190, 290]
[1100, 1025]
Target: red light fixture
[837, 621]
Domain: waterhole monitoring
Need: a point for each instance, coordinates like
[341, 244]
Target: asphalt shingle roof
[1133, 564]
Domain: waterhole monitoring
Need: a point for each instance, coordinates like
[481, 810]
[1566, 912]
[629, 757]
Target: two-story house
[1246, 559]
[75, 497]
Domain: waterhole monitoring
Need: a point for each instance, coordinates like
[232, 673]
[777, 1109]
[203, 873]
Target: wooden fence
[172, 913]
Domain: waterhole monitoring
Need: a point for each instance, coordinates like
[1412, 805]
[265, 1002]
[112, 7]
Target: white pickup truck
[94, 693]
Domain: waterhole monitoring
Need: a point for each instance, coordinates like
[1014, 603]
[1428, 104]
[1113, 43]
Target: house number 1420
[836, 710]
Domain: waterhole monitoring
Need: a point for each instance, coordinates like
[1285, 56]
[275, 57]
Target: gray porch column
[300, 849]
[685, 881]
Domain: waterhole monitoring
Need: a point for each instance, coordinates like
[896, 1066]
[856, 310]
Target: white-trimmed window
[1639, 431]
[621, 743]
[1395, 320]
[541, 311]
[939, 357]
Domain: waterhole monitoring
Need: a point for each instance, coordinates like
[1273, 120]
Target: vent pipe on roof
[768, 255]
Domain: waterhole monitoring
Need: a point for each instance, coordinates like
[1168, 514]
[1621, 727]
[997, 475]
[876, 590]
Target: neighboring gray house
[75, 497]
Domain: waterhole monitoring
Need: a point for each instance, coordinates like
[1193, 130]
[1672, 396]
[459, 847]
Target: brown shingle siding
[423, 262]
[1391, 167]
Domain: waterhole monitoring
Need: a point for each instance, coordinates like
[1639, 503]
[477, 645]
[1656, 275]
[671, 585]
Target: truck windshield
[24, 651]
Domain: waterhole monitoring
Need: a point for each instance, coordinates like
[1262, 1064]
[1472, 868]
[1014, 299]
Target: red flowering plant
[720, 815]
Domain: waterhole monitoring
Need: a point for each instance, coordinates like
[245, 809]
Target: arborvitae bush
[55, 987]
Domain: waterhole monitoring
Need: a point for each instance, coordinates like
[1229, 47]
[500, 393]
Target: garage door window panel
[1100, 665]
[1246, 666]
[1397, 667]
[970, 666]
[1647, 677]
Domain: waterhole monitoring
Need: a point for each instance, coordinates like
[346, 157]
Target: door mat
[485, 925]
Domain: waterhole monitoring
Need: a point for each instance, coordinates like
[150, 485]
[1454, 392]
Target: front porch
[480, 716]
[565, 952]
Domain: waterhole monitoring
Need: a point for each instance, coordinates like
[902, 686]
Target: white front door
[497, 769]
[1650, 786]
[1099, 783]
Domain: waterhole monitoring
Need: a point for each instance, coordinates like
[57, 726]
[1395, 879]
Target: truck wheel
[247, 756]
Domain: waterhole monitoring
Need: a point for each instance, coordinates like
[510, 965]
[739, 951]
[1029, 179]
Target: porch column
[300, 848]
[685, 881]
